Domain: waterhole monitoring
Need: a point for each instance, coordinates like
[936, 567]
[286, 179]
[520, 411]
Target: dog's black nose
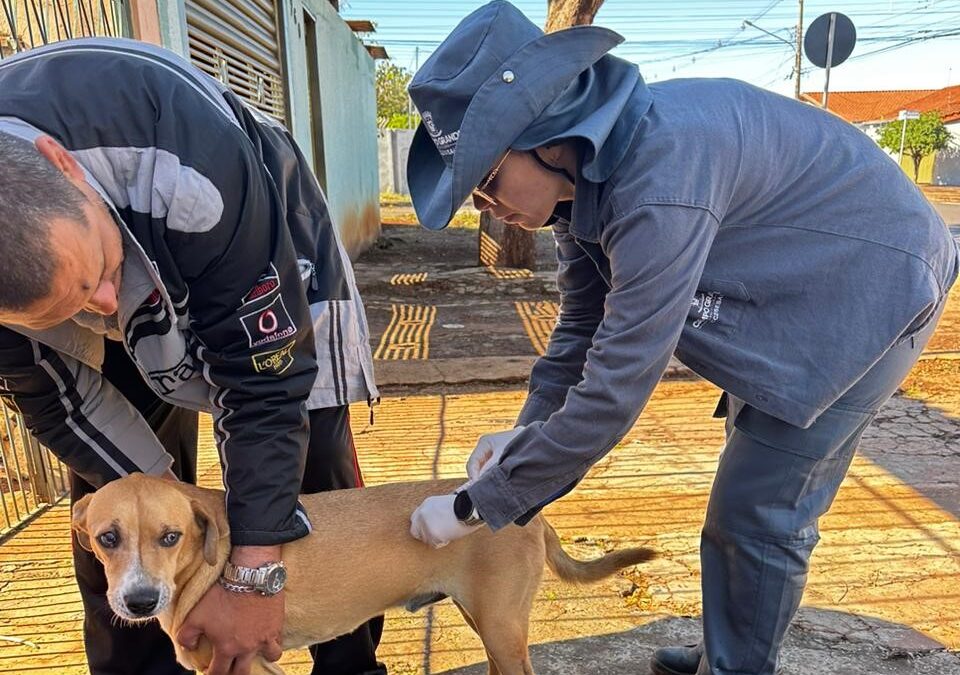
[142, 601]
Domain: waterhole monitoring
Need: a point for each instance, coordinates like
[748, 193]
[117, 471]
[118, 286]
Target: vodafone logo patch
[268, 324]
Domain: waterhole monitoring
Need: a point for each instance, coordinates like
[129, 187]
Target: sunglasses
[482, 191]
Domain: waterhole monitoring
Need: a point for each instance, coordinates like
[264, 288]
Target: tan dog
[163, 544]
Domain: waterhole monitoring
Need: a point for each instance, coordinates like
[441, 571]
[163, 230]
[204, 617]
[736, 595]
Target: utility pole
[796, 46]
[799, 56]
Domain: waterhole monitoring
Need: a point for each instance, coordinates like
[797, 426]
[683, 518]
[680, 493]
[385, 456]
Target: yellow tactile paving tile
[539, 319]
[490, 254]
[408, 279]
[489, 250]
[507, 273]
[887, 550]
[408, 334]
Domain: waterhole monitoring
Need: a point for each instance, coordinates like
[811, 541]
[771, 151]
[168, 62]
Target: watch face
[275, 580]
[462, 505]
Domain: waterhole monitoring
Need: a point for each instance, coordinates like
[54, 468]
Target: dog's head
[146, 531]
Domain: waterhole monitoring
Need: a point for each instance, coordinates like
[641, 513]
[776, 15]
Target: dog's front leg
[199, 659]
[195, 659]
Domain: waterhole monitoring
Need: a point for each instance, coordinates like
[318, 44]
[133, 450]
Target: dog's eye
[109, 539]
[169, 539]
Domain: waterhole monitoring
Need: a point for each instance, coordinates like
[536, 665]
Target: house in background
[870, 110]
[296, 60]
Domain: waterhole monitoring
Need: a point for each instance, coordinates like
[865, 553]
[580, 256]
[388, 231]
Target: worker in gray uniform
[770, 246]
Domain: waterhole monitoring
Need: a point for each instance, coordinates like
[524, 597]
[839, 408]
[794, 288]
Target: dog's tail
[585, 572]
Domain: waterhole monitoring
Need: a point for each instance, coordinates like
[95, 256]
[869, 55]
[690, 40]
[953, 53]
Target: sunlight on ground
[887, 551]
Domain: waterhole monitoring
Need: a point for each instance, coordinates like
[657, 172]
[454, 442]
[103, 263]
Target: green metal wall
[345, 114]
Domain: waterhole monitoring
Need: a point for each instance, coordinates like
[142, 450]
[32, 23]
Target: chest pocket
[717, 308]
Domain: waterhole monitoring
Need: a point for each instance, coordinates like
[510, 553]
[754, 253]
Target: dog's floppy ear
[210, 526]
[79, 521]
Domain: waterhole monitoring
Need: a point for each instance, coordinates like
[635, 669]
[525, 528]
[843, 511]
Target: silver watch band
[235, 588]
[268, 579]
[245, 576]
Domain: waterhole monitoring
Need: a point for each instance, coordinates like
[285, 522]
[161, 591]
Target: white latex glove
[489, 449]
[434, 522]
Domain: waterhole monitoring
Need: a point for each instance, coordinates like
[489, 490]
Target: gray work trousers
[773, 483]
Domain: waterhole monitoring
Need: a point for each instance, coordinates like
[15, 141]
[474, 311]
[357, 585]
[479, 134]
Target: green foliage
[403, 121]
[392, 99]
[924, 136]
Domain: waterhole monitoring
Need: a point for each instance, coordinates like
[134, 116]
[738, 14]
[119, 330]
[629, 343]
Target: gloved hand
[488, 451]
[435, 523]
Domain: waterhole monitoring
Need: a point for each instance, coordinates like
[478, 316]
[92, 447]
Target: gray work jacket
[770, 245]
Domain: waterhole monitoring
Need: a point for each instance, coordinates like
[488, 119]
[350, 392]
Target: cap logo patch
[446, 143]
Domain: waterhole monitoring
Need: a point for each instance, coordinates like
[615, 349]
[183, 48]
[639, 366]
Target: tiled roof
[868, 106]
[945, 101]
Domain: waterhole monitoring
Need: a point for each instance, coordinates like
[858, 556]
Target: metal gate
[238, 42]
[31, 478]
[30, 23]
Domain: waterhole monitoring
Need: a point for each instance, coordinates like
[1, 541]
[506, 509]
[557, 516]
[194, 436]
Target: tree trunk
[565, 13]
[513, 246]
[503, 245]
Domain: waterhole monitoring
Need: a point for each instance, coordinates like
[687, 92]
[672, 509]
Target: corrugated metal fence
[30, 23]
[31, 478]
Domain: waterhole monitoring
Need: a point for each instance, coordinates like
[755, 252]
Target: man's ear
[210, 527]
[57, 155]
[79, 522]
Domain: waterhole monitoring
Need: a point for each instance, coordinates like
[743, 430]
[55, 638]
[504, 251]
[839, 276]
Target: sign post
[830, 38]
[905, 116]
[828, 43]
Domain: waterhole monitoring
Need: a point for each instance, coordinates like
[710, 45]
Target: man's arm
[76, 413]
[657, 254]
[249, 312]
[582, 292]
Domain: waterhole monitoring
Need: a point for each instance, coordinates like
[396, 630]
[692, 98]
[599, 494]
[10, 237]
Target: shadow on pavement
[820, 642]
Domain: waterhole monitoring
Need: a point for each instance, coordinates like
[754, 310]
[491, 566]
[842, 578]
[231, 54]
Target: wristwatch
[464, 509]
[266, 580]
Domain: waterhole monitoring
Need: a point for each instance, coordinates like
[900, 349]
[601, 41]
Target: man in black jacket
[164, 248]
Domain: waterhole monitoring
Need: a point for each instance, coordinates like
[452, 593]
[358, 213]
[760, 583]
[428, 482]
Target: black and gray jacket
[236, 296]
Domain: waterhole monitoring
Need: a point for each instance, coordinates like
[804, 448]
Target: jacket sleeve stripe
[334, 353]
[73, 405]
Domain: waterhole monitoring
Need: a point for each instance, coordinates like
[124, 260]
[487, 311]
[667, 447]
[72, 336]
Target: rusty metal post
[145, 21]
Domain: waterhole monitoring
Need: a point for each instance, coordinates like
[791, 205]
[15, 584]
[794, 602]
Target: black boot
[676, 660]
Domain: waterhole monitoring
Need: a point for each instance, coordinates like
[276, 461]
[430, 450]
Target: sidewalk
[455, 343]
[439, 317]
[942, 193]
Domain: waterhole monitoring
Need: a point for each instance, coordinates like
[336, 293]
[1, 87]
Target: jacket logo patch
[266, 284]
[706, 307]
[268, 324]
[275, 361]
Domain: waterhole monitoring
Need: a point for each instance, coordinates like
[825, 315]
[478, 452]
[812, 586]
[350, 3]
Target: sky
[901, 44]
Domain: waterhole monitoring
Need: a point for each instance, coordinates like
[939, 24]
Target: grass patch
[394, 199]
[464, 219]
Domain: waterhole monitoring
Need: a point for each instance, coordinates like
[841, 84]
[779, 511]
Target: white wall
[946, 169]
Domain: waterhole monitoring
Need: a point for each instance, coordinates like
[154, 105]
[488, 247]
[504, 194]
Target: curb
[475, 370]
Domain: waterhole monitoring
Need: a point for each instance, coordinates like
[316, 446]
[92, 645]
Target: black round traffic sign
[815, 43]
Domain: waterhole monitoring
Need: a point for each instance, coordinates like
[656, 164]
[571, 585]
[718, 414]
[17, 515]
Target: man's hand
[489, 449]
[238, 625]
[435, 523]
